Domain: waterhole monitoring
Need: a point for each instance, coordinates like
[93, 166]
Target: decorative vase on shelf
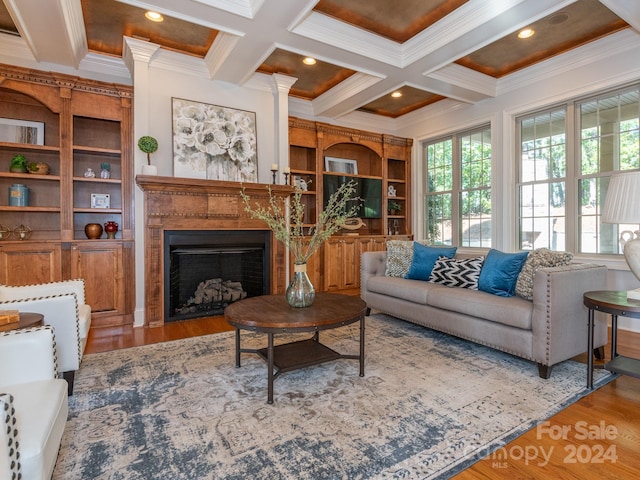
[111, 228]
[93, 231]
[300, 292]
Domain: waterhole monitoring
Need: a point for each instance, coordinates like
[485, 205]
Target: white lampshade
[622, 205]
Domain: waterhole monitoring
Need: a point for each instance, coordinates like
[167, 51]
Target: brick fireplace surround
[173, 203]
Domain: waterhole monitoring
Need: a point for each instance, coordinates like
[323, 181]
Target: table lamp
[622, 205]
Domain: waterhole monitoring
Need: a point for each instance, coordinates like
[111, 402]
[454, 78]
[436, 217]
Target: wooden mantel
[173, 203]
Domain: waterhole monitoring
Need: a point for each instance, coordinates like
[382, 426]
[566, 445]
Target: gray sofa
[548, 330]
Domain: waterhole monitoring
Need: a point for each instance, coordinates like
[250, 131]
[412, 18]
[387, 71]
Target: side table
[615, 303]
[27, 320]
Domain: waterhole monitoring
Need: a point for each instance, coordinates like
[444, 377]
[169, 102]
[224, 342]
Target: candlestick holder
[273, 172]
[286, 178]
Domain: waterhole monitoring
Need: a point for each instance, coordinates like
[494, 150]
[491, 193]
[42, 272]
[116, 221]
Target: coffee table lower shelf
[301, 354]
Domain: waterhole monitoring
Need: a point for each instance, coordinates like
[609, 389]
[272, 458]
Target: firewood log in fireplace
[217, 290]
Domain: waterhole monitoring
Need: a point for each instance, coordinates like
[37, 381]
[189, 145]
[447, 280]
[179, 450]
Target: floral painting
[213, 142]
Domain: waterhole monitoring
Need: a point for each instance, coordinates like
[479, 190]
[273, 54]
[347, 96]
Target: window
[543, 180]
[458, 189]
[609, 143]
[603, 132]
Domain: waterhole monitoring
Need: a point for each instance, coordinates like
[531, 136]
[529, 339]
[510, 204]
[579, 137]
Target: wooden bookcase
[86, 123]
[378, 156]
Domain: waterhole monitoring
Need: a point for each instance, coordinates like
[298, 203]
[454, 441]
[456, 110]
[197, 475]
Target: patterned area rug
[428, 406]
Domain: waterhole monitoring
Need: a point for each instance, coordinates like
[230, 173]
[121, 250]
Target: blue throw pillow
[500, 272]
[424, 258]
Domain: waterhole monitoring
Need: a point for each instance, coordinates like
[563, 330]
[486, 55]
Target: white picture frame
[341, 165]
[100, 200]
[21, 131]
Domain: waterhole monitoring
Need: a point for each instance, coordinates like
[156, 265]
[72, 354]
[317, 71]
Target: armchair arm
[9, 456]
[44, 290]
[61, 312]
[27, 355]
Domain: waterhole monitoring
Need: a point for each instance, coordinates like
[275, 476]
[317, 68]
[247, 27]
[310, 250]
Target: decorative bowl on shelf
[39, 168]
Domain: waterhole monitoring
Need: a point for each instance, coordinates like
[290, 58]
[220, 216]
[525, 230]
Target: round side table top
[612, 301]
[27, 319]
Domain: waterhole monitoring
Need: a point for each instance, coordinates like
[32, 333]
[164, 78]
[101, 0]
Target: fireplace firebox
[206, 270]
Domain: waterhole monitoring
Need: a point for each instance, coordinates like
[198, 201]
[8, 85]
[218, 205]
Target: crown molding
[106, 67]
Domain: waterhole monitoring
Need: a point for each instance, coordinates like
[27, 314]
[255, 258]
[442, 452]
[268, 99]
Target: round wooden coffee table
[272, 314]
[27, 320]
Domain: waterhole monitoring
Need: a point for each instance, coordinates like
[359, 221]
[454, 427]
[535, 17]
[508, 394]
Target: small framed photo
[340, 165]
[100, 200]
[21, 131]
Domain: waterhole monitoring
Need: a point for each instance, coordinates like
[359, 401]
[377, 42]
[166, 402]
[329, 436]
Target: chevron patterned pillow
[453, 272]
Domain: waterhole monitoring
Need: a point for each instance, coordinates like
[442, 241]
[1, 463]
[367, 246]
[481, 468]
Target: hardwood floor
[597, 437]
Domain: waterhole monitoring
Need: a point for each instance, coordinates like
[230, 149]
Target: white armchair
[33, 402]
[63, 306]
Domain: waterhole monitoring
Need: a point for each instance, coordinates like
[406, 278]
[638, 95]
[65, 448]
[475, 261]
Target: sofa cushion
[500, 272]
[539, 258]
[399, 256]
[513, 311]
[424, 258]
[457, 272]
[411, 290]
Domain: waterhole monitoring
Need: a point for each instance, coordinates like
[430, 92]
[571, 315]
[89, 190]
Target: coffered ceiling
[427, 50]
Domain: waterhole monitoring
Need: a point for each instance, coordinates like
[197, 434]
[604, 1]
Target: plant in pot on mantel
[148, 145]
[303, 241]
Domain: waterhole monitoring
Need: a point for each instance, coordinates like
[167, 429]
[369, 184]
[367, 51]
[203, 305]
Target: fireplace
[181, 205]
[204, 270]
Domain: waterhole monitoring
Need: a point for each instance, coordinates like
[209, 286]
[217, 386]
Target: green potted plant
[393, 207]
[18, 164]
[105, 170]
[148, 145]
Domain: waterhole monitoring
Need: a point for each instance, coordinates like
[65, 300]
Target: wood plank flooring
[597, 437]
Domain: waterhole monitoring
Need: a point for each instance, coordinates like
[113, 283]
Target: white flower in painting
[241, 150]
[210, 140]
[184, 130]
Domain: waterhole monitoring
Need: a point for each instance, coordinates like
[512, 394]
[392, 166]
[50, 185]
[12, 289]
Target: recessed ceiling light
[309, 61]
[154, 16]
[526, 33]
[396, 94]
